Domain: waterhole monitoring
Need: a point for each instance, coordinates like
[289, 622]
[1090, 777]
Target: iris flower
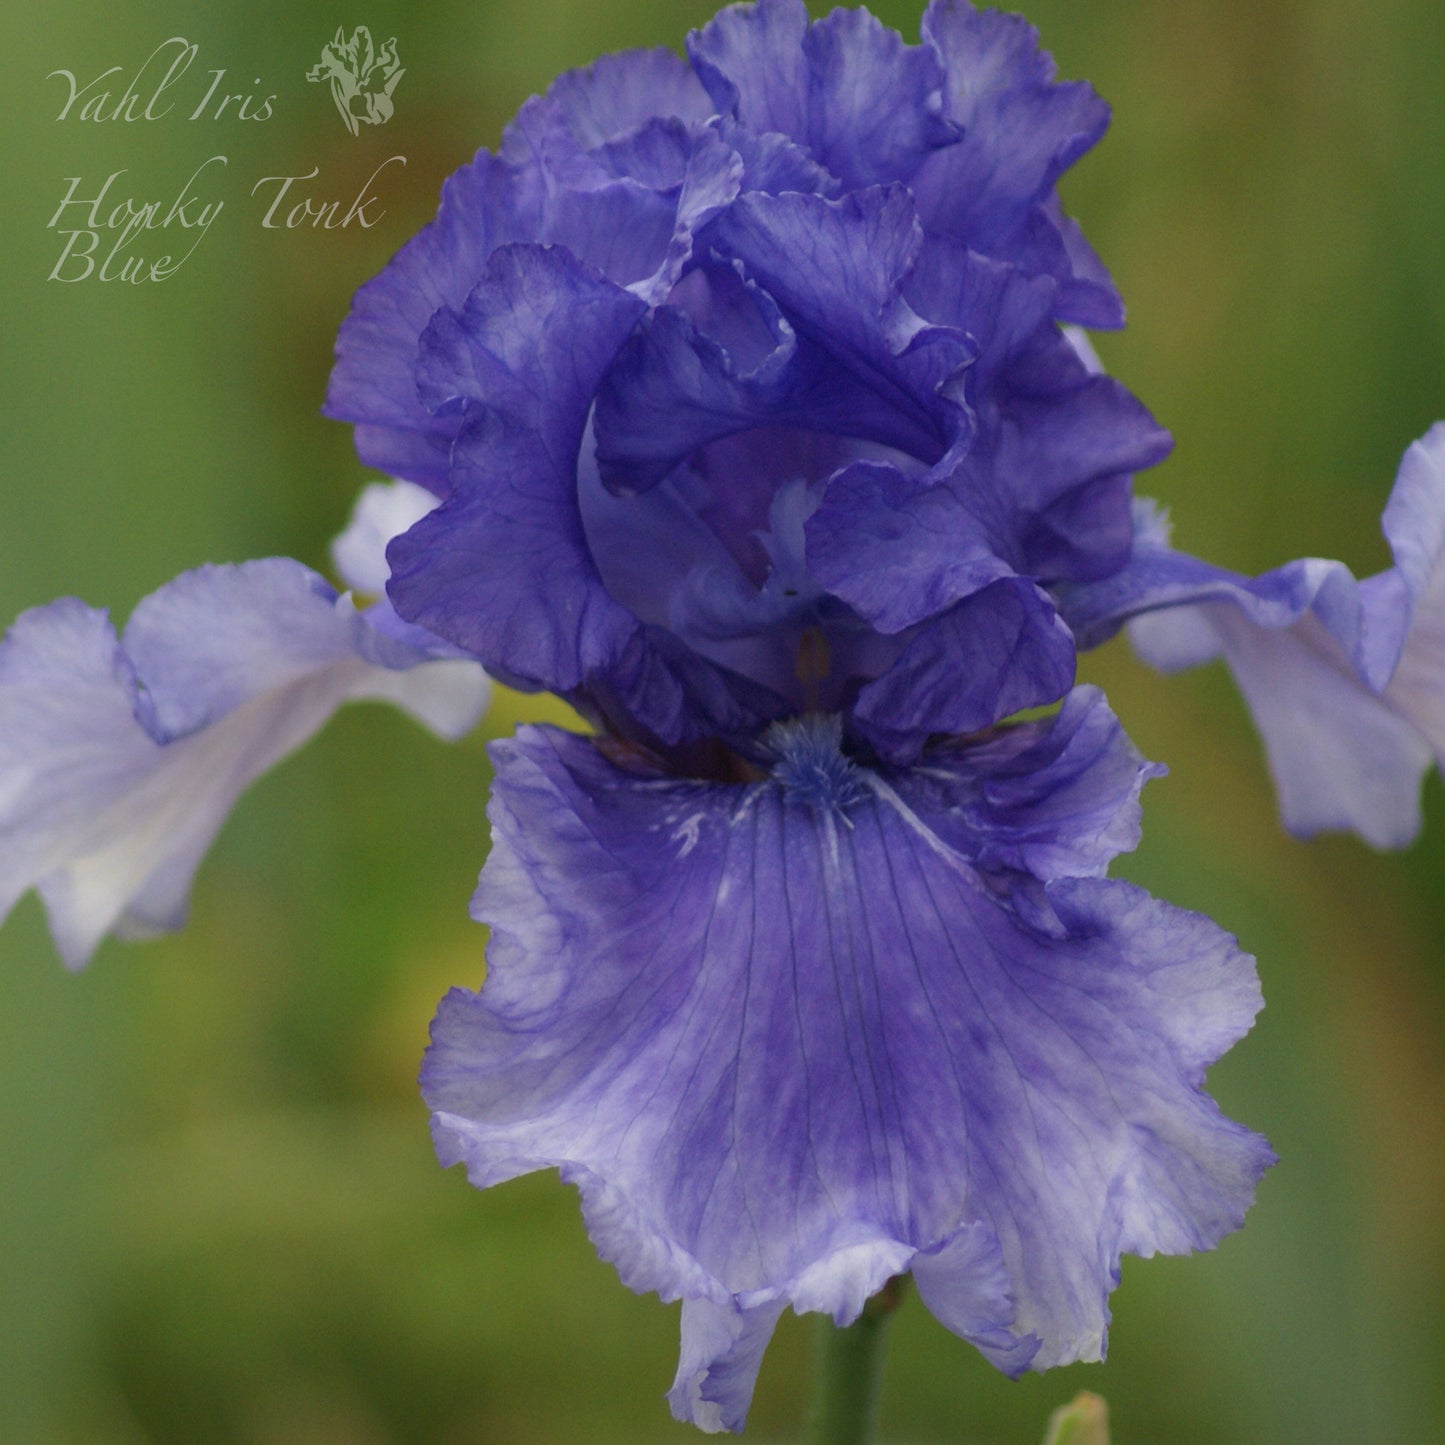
[121, 756]
[743, 386]
[740, 400]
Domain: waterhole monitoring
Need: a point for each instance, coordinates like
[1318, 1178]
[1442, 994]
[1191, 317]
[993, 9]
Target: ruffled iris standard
[744, 388]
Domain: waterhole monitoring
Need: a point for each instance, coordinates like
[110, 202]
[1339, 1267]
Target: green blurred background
[220, 1220]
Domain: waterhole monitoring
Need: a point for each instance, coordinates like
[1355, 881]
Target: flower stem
[848, 1373]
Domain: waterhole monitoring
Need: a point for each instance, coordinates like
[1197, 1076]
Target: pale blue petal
[1342, 757]
[383, 510]
[119, 761]
[1413, 522]
[1343, 678]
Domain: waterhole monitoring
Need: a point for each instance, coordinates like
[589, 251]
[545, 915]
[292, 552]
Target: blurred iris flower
[121, 756]
[741, 402]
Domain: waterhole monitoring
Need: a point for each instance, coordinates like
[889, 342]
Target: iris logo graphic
[362, 77]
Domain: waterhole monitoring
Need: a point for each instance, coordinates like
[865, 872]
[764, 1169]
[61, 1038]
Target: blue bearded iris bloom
[740, 401]
[743, 388]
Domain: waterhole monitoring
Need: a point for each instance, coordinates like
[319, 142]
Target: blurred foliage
[221, 1220]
